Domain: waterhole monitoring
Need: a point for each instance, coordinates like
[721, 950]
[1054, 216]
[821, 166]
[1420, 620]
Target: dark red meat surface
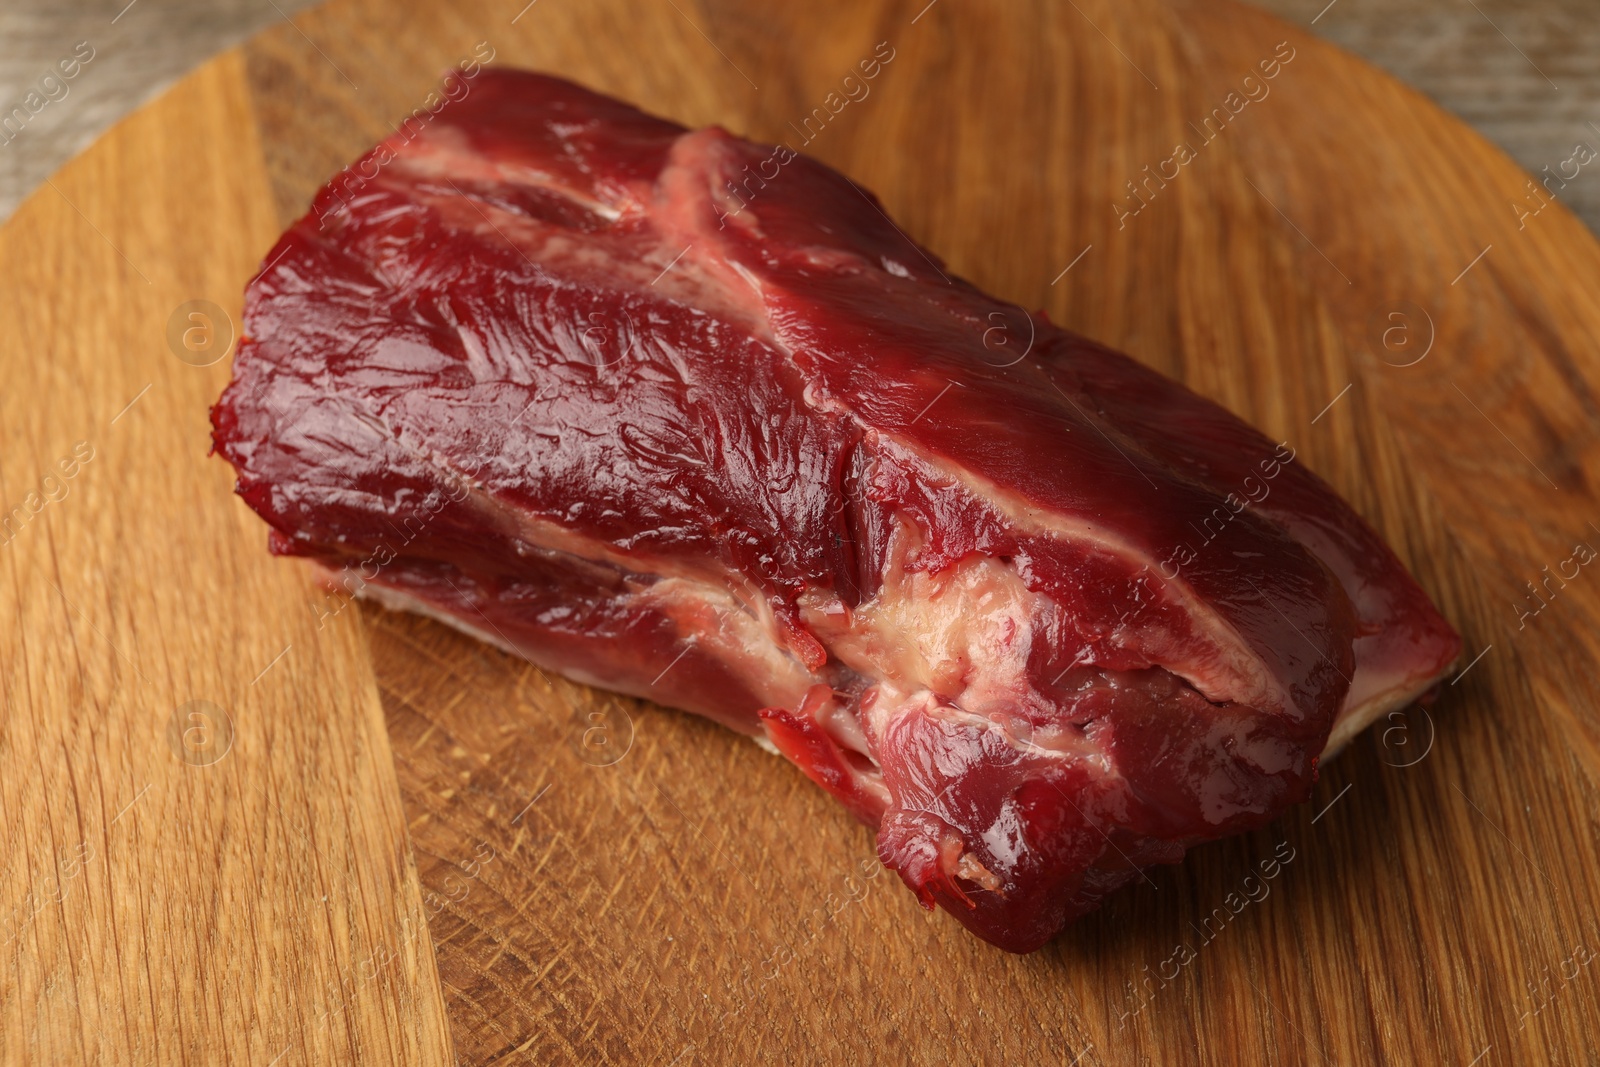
[688, 417]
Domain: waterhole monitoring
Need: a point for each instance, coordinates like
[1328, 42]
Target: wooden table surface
[1520, 71]
[241, 831]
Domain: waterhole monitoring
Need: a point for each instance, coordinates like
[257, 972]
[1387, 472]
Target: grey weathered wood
[149, 45]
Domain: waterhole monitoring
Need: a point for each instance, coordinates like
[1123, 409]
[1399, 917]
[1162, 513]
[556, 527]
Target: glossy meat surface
[689, 417]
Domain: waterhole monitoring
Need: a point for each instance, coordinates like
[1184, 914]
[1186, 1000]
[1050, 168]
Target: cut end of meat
[688, 417]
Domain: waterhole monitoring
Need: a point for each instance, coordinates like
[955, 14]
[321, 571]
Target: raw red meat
[689, 417]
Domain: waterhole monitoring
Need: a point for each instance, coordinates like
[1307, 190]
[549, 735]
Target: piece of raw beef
[688, 417]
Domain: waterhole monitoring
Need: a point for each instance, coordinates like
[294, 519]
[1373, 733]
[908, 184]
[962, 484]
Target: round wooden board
[1333, 258]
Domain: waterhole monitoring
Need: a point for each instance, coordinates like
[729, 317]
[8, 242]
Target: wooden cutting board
[373, 840]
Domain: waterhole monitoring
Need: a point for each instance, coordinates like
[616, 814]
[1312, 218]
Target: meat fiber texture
[690, 418]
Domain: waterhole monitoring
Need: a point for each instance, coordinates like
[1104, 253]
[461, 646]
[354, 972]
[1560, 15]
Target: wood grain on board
[608, 882]
[205, 857]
